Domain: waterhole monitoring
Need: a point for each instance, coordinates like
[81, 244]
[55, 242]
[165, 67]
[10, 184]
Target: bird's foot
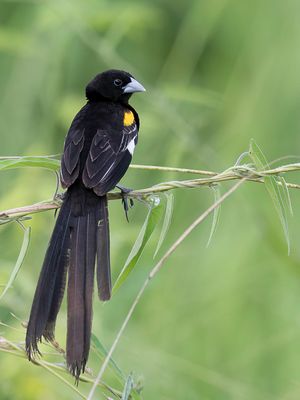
[124, 194]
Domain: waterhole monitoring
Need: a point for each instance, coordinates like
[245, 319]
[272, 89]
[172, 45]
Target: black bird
[98, 150]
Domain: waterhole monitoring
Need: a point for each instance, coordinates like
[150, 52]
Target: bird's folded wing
[108, 159]
[69, 171]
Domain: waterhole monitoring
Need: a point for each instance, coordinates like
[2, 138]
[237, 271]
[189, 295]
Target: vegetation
[218, 321]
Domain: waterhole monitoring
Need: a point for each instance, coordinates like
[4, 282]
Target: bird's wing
[109, 157]
[70, 163]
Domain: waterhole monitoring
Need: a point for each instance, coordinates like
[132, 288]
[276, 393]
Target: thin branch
[17, 350]
[233, 173]
[274, 171]
[32, 209]
[10, 347]
[172, 169]
[238, 172]
[73, 387]
[153, 272]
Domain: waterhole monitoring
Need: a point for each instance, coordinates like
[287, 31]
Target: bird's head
[113, 85]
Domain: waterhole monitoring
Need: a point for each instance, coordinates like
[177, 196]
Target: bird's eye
[118, 82]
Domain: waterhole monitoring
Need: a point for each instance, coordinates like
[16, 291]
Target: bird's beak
[133, 86]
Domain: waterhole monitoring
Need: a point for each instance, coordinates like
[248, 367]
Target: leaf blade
[19, 262]
[283, 187]
[152, 219]
[216, 214]
[167, 221]
[271, 185]
[128, 388]
[27, 161]
[101, 352]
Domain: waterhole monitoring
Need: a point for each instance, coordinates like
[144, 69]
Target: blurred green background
[221, 322]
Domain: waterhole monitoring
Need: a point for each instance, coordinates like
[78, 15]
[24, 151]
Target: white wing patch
[131, 146]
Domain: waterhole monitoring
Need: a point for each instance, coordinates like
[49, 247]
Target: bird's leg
[124, 193]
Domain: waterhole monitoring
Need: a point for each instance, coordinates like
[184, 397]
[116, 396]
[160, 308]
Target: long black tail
[81, 232]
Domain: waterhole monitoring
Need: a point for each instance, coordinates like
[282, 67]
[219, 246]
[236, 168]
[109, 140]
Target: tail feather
[45, 303]
[59, 288]
[80, 292]
[76, 291]
[103, 252]
[89, 279]
[81, 232]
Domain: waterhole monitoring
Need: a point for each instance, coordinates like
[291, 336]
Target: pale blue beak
[133, 86]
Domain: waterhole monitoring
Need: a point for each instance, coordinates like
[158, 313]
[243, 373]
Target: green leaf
[216, 214]
[257, 156]
[285, 194]
[153, 217]
[21, 162]
[167, 220]
[272, 187]
[128, 388]
[6, 220]
[22, 254]
[101, 352]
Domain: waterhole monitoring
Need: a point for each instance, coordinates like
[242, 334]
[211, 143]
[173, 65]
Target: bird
[98, 150]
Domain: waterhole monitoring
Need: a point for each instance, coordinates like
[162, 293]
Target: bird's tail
[81, 232]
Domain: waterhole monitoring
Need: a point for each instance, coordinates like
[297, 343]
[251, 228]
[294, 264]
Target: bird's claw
[126, 206]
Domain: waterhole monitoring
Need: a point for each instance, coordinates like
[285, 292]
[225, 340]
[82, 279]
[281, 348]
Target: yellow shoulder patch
[128, 118]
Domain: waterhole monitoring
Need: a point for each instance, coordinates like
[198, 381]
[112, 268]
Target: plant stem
[233, 173]
[172, 169]
[18, 351]
[153, 272]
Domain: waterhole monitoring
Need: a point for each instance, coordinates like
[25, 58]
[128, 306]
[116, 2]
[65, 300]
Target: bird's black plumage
[98, 150]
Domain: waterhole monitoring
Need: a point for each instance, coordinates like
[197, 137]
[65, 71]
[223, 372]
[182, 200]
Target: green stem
[151, 275]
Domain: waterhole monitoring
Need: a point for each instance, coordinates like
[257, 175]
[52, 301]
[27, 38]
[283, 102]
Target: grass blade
[285, 194]
[152, 219]
[216, 214]
[128, 388]
[101, 352]
[6, 220]
[272, 187]
[22, 254]
[37, 162]
[257, 156]
[167, 220]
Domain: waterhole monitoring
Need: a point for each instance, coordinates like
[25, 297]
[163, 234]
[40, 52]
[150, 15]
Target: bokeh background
[217, 323]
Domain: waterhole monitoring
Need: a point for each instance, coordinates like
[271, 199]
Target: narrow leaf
[271, 185]
[283, 187]
[167, 220]
[101, 352]
[258, 156]
[274, 191]
[21, 162]
[128, 388]
[216, 214]
[5, 220]
[19, 262]
[152, 219]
